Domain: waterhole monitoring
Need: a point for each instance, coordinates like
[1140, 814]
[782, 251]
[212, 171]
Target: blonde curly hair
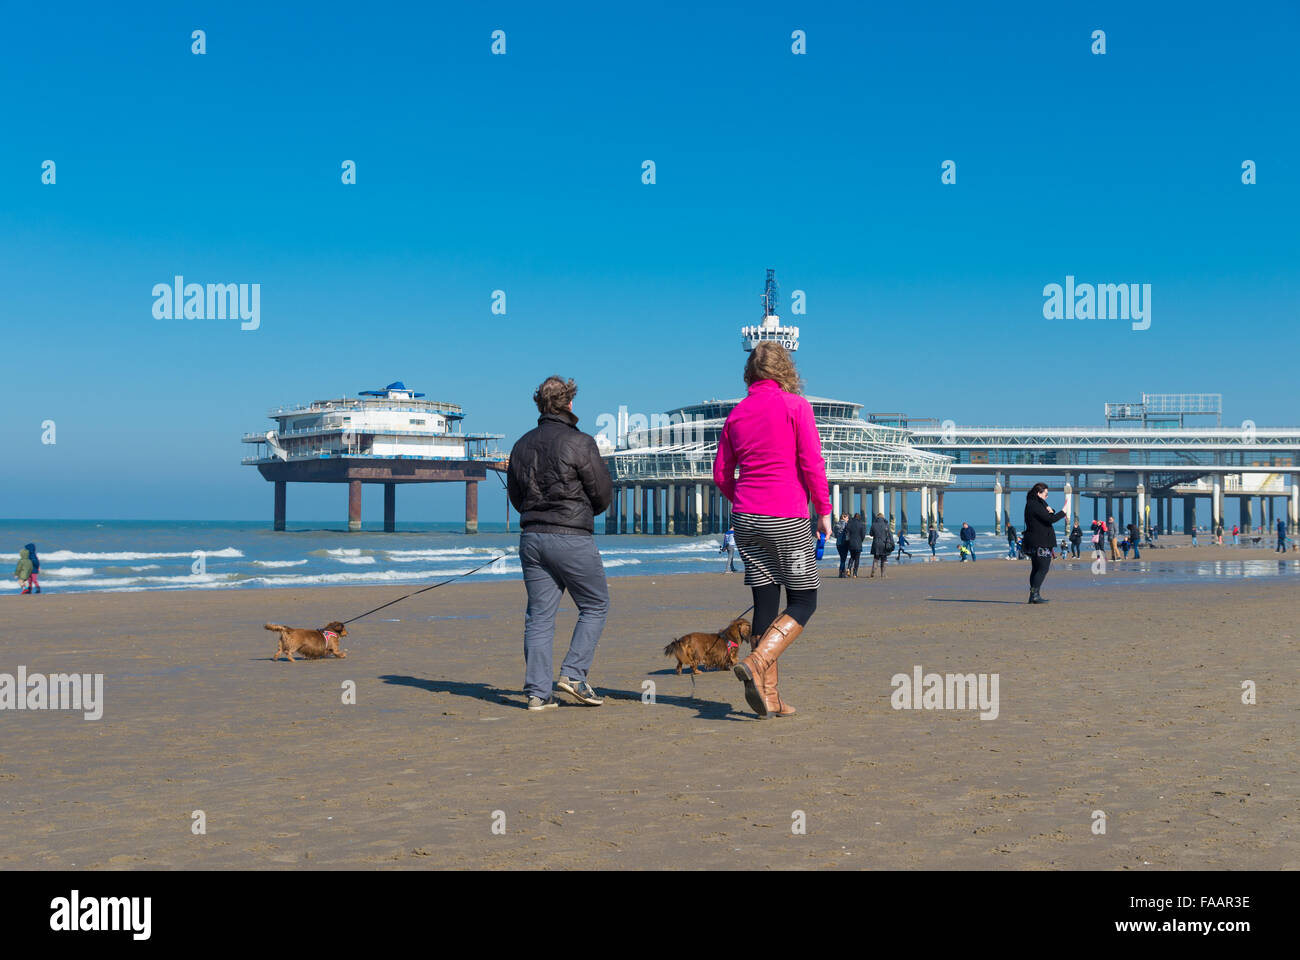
[771, 361]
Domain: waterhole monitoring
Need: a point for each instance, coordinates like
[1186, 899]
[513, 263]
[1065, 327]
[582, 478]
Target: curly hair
[771, 361]
[554, 395]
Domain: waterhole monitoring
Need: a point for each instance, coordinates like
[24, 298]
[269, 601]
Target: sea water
[122, 555]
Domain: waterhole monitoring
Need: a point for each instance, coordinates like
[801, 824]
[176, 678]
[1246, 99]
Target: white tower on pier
[771, 328]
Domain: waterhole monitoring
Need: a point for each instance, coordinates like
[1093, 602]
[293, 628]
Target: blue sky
[523, 173]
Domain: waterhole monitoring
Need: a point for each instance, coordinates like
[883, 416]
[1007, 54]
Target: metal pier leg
[354, 506]
[471, 506]
[278, 523]
[390, 507]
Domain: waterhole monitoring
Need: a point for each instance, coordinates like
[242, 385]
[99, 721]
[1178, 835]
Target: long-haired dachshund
[310, 643]
[717, 651]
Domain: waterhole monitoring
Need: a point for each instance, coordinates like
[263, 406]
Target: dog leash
[433, 586]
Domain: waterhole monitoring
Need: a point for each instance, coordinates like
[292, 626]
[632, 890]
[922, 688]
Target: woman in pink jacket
[771, 437]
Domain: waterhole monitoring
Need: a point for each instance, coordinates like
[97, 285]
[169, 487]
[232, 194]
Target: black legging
[843, 548]
[1038, 565]
[800, 604]
[855, 557]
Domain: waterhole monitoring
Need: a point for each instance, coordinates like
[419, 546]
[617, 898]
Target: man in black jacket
[558, 483]
[1040, 538]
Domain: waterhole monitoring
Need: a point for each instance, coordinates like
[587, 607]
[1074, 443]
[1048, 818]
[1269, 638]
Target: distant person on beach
[1193, 532]
[23, 571]
[968, 539]
[1236, 535]
[1134, 538]
[1112, 538]
[856, 534]
[1012, 549]
[882, 544]
[34, 579]
[842, 543]
[559, 484]
[772, 437]
[1040, 538]
[902, 546]
[1281, 537]
[1218, 533]
[729, 548]
[1076, 539]
[933, 541]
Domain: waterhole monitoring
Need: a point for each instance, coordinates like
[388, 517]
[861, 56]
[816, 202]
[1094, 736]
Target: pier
[387, 437]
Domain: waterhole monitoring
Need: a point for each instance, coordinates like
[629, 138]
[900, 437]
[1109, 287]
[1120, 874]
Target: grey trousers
[553, 563]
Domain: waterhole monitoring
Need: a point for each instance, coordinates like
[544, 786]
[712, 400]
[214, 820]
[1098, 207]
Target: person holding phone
[1040, 538]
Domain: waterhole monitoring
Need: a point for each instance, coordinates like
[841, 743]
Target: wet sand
[1123, 697]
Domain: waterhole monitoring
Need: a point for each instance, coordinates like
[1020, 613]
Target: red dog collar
[330, 634]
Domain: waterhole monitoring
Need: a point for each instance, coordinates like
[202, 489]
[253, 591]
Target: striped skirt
[777, 550]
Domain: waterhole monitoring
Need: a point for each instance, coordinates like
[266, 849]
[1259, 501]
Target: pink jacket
[772, 437]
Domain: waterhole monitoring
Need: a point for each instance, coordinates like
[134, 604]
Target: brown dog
[310, 643]
[715, 650]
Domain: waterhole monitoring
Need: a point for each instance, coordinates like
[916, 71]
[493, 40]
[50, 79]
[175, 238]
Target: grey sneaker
[580, 690]
[537, 703]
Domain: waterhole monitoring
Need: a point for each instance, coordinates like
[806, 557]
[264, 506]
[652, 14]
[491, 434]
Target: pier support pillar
[1216, 503]
[354, 506]
[1293, 521]
[278, 522]
[997, 503]
[1140, 509]
[925, 509]
[471, 506]
[699, 509]
[878, 505]
[611, 521]
[1070, 507]
[670, 509]
[390, 507]
[891, 508]
[636, 508]
[1246, 520]
[902, 510]
[657, 508]
[835, 500]
[940, 510]
[1189, 515]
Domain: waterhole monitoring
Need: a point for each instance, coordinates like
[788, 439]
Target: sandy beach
[1122, 696]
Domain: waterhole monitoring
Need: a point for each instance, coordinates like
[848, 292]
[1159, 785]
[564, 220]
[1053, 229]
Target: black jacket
[1076, 535]
[855, 531]
[879, 537]
[1039, 531]
[557, 480]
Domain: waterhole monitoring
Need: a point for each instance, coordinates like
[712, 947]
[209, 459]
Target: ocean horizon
[137, 555]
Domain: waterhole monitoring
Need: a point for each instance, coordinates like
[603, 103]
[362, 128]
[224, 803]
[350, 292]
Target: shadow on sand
[705, 709]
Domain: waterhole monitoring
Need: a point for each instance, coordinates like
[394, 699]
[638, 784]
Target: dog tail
[276, 626]
[671, 649]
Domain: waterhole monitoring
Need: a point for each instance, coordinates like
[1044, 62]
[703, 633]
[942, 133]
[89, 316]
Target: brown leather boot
[775, 705]
[755, 671]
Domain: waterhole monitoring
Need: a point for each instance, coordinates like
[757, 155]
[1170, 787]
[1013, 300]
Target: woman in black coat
[856, 532]
[880, 545]
[1076, 538]
[842, 542]
[1040, 538]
